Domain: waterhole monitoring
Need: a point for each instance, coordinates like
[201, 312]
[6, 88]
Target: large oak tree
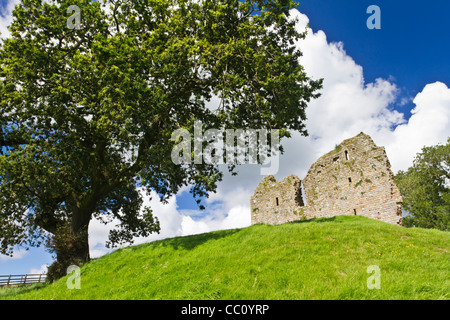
[87, 113]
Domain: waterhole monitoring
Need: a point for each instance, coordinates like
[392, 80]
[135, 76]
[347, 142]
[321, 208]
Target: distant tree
[426, 188]
[87, 111]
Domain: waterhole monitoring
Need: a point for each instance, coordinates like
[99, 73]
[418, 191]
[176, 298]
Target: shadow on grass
[317, 220]
[192, 241]
[10, 292]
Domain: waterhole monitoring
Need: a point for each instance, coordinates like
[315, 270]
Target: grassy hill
[317, 259]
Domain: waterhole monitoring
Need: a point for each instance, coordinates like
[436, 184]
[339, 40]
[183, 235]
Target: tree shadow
[192, 241]
[318, 220]
[11, 292]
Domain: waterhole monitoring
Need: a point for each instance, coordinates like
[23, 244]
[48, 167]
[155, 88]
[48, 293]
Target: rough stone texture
[353, 179]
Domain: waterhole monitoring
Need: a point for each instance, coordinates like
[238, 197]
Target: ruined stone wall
[353, 179]
[277, 202]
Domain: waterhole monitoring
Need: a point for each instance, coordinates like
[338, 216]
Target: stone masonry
[353, 179]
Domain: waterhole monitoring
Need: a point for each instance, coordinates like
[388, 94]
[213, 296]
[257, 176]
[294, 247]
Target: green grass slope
[317, 259]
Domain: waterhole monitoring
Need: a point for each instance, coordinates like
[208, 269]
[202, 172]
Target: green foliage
[317, 259]
[425, 188]
[87, 114]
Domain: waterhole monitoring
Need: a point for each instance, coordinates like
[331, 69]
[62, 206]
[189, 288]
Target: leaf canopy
[87, 113]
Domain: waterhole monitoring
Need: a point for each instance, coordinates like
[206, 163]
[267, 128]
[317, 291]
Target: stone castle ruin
[353, 179]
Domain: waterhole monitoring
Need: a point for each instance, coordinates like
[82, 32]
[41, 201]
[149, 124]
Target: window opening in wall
[350, 180]
[301, 197]
[354, 212]
[276, 200]
[346, 155]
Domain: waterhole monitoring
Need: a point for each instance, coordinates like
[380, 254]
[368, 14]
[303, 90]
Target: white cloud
[41, 270]
[429, 125]
[6, 17]
[238, 217]
[98, 235]
[170, 219]
[348, 106]
[226, 215]
[178, 222]
[404, 101]
[17, 255]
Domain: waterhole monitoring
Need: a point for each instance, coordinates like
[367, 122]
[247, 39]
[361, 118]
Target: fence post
[25, 280]
[9, 278]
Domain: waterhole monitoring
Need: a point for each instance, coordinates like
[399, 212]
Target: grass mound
[327, 258]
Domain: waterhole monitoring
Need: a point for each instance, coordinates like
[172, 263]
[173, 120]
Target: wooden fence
[22, 279]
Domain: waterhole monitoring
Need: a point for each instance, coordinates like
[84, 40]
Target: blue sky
[391, 83]
[412, 46]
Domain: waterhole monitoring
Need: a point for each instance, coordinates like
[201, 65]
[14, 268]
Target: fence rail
[21, 279]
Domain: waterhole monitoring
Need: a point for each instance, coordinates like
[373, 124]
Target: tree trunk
[71, 248]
